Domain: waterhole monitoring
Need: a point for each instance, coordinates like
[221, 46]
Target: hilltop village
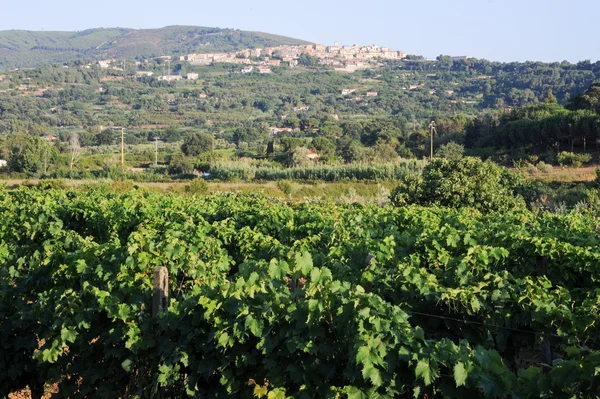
[340, 58]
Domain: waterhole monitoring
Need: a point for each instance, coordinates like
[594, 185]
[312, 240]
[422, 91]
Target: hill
[25, 49]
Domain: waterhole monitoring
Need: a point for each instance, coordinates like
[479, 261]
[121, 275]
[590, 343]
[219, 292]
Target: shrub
[531, 169]
[452, 151]
[286, 187]
[180, 164]
[544, 167]
[467, 182]
[197, 187]
[572, 159]
[51, 184]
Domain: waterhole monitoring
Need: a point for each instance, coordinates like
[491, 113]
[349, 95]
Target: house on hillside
[372, 94]
[347, 91]
[192, 76]
[276, 130]
[170, 78]
[264, 69]
[311, 156]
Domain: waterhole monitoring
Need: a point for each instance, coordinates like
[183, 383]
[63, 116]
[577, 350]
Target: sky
[498, 30]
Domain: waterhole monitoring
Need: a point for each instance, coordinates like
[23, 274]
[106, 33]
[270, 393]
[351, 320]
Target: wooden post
[160, 299]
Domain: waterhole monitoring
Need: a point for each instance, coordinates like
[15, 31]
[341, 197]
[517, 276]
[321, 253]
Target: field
[270, 298]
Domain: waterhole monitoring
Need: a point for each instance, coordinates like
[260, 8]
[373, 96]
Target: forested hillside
[23, 49]
[470, 100]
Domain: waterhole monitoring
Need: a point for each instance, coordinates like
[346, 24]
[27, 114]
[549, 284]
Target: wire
[485, 324]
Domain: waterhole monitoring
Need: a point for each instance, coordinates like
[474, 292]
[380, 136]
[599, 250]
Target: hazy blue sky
[505, 30]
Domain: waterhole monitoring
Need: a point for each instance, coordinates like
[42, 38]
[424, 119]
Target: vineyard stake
[160, 299]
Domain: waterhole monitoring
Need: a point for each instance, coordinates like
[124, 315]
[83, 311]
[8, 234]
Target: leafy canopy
[466, 182]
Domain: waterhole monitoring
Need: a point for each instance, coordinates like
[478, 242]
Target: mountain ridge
[26, 49]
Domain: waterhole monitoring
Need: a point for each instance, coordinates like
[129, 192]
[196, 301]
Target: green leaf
[424, 371]
[460, 374]
[304, 262]
[259, 391]
[68, 335]
[81, 266]
[254, 326]
[276, 394]
[355, 393]
[373, 374]
[223, 339]
[127, 365]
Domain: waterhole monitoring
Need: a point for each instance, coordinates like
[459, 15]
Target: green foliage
[197, 187]
[588, 100]
[395, 171]
[180, 164]
[467, 182]
[29, 154]
[286, 187]
[272, 299]
[197, 143]
[571, 159]
[451, 151]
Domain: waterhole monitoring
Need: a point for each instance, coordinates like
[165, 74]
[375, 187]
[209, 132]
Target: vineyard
[307, 300]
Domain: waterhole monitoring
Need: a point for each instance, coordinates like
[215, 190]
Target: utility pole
[156, 151]
[123, 149]
[432, 131]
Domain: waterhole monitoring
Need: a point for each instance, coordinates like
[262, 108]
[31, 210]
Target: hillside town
[261, 60]
[341, 58]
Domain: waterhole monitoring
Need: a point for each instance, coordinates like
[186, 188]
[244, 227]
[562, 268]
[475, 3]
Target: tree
[75, 148]
[308, 60]
[467, 182]
[300, 156]
[30, 154]
[197, 143]
[589, 99]
[105, 137]
[550, 98]
[180, 164]
[323, 146]
[452, 151]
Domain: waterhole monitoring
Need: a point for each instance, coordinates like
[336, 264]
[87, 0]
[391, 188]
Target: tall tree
[75, 149]
[197, 143]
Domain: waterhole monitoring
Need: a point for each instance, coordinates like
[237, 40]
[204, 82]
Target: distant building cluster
[342, 58]
[261, 60]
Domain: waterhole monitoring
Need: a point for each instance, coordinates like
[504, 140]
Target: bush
[597, 177]
[53, 184]
[286, 187]
[452, 151]
[544, 167]
[572, 159]
[180, 165]
[197, 187]
[468, 182]
[531, 169]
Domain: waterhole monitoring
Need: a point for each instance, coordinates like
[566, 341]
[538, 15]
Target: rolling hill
[25, 49]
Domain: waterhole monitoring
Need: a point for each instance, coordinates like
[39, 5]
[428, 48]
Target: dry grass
[564, 174]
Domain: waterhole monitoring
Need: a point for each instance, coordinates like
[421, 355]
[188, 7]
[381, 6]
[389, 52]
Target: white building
[3, 163]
